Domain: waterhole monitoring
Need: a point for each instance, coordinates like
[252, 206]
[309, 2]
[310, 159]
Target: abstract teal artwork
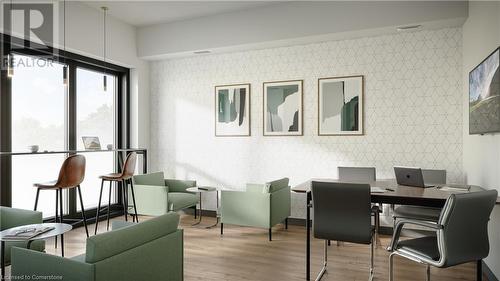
[232, 107]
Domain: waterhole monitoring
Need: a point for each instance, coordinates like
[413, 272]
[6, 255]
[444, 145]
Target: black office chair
[422, 213]
[362, 175]
[342, 212]
[461, 234]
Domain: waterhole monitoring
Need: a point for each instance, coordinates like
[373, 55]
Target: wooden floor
[246, 254]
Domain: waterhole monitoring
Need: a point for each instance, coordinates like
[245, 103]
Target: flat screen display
[484, 96]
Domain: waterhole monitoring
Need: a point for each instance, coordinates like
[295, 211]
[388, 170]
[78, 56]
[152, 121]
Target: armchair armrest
[246, 208]
[27, 263]
[12, 217]
[151, 200]
[179, 185]
[399, 227]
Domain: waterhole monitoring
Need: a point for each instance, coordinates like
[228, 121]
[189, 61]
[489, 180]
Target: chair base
[325, 261]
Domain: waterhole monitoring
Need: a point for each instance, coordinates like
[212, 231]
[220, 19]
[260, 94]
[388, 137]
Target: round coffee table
[205, 189]
[59, 229]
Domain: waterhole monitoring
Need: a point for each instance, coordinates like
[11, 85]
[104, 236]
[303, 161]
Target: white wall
[291, 23]
[413, 111]
[481, 158]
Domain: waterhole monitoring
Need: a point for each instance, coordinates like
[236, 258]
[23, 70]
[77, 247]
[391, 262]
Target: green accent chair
[261, 205]
[11, 217]
[155, 195]
[150, 250]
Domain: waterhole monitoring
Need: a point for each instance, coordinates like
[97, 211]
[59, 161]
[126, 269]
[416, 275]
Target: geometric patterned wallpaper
[413, 111]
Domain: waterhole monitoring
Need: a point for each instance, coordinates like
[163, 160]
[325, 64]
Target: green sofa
[150, 250]
[261, 205]
[11, 217]
[156, 196]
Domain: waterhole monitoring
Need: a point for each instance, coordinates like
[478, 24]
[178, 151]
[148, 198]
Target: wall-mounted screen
[484, 96]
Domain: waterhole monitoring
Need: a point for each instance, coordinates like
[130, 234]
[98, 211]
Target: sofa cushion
[179, 185]
[181, 200]
[278, 184]
[150, 179]
[111, 243]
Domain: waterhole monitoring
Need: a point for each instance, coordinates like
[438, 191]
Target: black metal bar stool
[71, 176]
[124, 177]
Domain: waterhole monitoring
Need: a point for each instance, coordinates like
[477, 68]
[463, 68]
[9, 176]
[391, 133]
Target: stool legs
[36, 199]
[109, 204]
[83, 210]
[61, 218]
[55, 216]
[133, 199]
[124, 199]
[98, 208]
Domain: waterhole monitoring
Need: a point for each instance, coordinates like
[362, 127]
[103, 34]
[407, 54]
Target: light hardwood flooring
[245, 253]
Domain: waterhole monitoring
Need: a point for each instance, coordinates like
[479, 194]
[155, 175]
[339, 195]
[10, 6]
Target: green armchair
[11, 217]
[261, 205]
[150, 250]
[156, 196]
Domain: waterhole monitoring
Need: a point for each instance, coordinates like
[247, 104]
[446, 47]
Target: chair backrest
[342, 212]
[464, 218]
[129, 165]
[104, 246]
[156, 178]
[72, 172]
[277, 184]
[434, 176]
[357, 174]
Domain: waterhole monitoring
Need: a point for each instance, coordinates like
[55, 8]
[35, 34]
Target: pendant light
[105, 82]
[10, 58]
[65, 67]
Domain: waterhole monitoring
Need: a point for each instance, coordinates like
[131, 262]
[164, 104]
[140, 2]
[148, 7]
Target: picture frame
[341, 106]
[283, 108]
[232, 110]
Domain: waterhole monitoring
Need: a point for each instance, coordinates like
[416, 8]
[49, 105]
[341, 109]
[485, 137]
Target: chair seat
[114, 177]
[181, 200]
[420, 213]
[424, 246]
[48, 185]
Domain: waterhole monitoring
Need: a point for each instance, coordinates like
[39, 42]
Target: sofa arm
[280, 205]
[179, 185]
[120, 224]
[151, 200]
[12, 217]
[246, 208]
[30, 263]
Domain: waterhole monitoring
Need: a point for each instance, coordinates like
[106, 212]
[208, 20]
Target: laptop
[91, 143]
[410, 176]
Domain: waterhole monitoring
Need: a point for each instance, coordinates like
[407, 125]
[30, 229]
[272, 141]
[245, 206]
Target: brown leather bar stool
[71, 175]
[125, 177]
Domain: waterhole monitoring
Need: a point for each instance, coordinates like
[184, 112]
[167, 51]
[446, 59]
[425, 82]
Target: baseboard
[490, 276]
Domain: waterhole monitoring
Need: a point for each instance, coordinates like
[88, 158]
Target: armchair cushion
[179, 185]
[424, 246]
[278, 184]
[181, 200]
[112, 243]
[150, 179]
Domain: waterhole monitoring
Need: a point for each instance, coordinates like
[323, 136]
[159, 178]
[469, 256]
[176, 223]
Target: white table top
[59, 228]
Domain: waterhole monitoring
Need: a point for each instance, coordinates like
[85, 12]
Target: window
[38, 118]
[36, 108]
[95, 117]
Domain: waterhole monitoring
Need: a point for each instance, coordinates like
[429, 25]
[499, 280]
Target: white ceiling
[144, 13]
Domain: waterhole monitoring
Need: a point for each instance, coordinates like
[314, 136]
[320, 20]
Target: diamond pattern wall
[413, 111]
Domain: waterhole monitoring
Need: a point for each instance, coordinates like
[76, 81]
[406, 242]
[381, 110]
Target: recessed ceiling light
[202, 52]
[408, 27]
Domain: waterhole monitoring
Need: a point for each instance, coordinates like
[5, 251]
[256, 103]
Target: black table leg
[479, 270]
[3, 261]
[308, 238]
[62, 245]
[145, 162]
[201, 213]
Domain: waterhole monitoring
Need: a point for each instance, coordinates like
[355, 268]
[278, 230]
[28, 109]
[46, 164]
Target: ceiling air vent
[202, 52]
[408, 27]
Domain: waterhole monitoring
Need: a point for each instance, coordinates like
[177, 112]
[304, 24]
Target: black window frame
[73, 61]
